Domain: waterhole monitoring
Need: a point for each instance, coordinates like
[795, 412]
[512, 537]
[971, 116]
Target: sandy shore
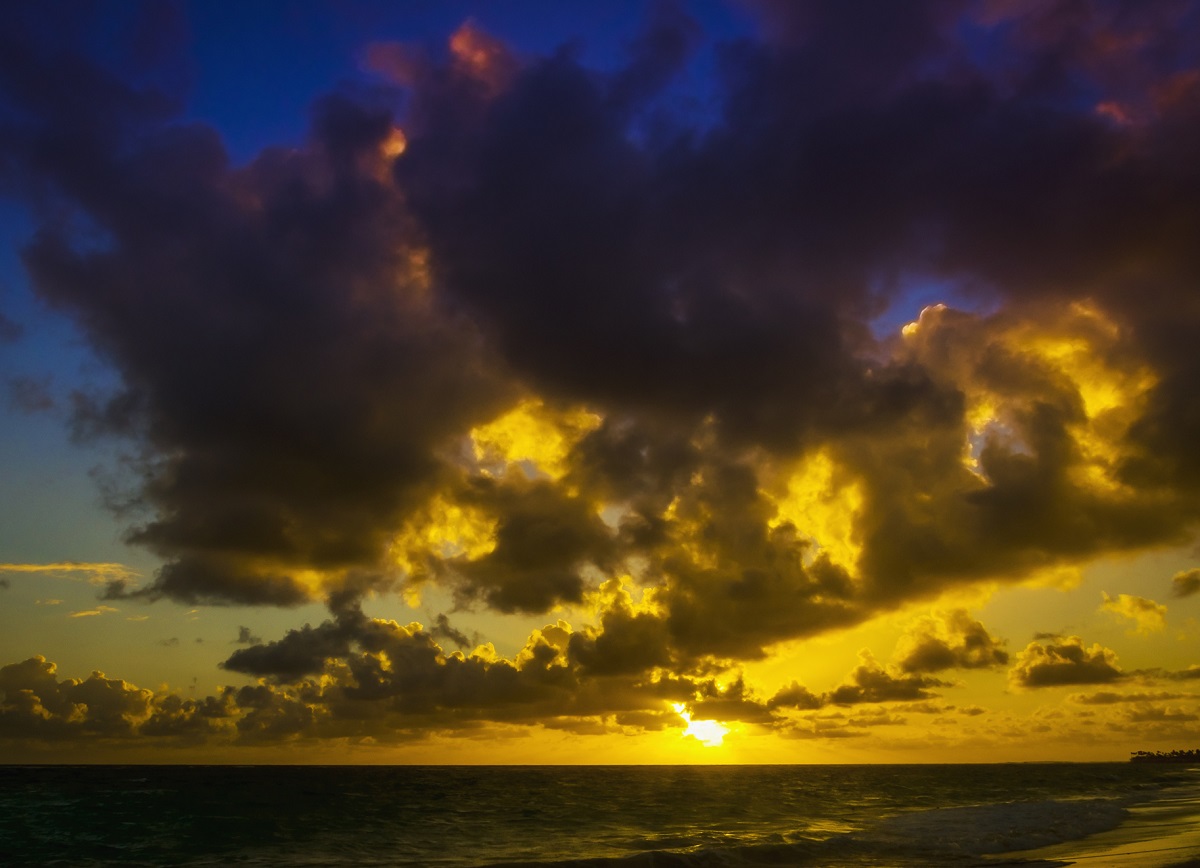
[1162, 834]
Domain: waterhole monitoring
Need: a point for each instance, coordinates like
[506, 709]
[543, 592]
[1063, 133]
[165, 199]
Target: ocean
[461, 816]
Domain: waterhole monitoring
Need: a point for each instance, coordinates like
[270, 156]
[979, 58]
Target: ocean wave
[959, 835]
[569, 817]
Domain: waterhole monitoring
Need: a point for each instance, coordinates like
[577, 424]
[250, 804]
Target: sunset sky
[518, 382]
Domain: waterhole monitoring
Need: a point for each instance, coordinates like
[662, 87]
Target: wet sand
[1162, 834]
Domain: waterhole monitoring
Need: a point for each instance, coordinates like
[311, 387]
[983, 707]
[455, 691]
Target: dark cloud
[355, 677]
[870, 682]
[190, 720]
[948, 640]
[794, 695]
[1064, 662]
[247, 637]
[730, 572]
[300, 652]
[301, 268]
[442, 629]
[37, 705]
[732, 701]
[626, 641]
[1186, 583]
[543, 539]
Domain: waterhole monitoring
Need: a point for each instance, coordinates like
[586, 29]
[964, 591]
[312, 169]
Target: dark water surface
[626, 815]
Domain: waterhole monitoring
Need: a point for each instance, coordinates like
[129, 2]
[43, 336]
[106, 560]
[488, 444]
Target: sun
[708, 732]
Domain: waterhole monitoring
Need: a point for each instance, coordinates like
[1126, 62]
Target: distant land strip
[1158, 756]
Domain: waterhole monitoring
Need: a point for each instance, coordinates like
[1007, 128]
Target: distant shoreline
[1174, 756]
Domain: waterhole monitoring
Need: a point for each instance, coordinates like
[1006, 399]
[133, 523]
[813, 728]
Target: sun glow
[708, 732]
[824, 504]
[533, 435]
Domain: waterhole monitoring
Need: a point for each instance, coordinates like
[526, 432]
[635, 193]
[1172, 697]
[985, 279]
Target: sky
[505, 382]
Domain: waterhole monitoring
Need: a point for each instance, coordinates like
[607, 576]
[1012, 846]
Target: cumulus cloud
[397, 675]
[870, 682]
[948, 640]
[737, 325]
[1147, 615]
[795, 695]
[36, 704]
[1063, 663]
[354, 677]
[300, 652]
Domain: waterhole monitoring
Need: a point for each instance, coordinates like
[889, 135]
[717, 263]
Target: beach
[1164, 833]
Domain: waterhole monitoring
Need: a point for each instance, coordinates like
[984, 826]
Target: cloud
[300, 652]
[1063, 663]
[230, 476]
[742, 326]
[39, 707]
[794, 695]
[1186, 583]
[36, 704]
[92, 613]
[442, 629]
[1161, 714]
[246, 637]
[629, 639]
[870, 682]
[396, 682]
[542, 540]
[564, 336]
[1185, 674]
[1147, 615]
[948, 640]
[95, 573]
[1110, 698]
